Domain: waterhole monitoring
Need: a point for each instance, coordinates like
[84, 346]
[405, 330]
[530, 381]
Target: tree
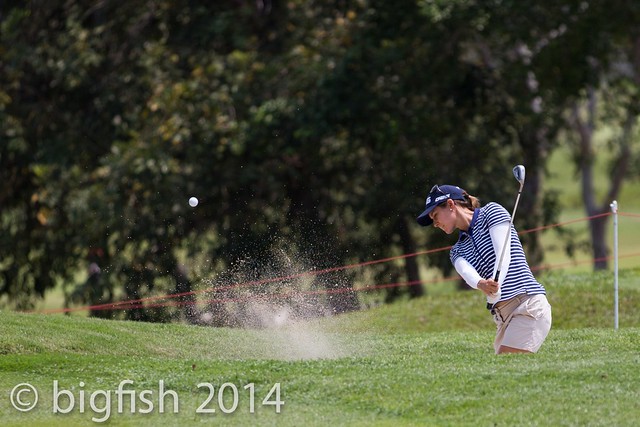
[622, 145]
[614, 104]
[317, 124]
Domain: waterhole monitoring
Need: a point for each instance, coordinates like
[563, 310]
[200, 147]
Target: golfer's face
[443, 218]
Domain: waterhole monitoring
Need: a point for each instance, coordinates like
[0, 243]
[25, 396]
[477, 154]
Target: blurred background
[310, 132]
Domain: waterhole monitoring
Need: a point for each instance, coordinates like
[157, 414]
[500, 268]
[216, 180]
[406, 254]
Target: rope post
[614, 210]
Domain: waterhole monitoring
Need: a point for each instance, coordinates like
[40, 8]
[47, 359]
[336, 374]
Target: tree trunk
[341, 297]
[410, 264]
[597, 228]
[187, 298]
[535, 153]
[530, 209]
[586, 155]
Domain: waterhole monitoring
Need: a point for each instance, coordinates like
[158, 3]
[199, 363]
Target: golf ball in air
[193, 202]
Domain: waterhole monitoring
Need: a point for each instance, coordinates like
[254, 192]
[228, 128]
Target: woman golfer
[517, 301]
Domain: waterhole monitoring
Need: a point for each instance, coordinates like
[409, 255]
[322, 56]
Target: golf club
[519, 174]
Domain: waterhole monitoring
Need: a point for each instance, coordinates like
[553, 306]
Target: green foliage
[316, 123]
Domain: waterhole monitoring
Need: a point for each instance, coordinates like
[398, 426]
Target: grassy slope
[422, 362]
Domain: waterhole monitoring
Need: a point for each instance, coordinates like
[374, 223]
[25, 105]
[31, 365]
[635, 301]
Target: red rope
[341, 290]
[629, 215]
[115, 305]
[138, 303]
[560, 224]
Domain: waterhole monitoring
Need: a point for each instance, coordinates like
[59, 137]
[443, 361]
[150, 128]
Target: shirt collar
[476, 212]
[464, 234]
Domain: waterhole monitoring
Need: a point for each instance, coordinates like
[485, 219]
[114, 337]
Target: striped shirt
[476, 247]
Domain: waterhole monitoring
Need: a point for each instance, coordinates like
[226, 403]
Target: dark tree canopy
[317, 124]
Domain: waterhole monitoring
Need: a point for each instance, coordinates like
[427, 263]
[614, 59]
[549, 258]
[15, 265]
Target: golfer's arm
[498, 235]
[468, 273]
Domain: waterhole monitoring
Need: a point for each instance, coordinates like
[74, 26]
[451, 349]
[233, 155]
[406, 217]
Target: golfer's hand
[489, 286]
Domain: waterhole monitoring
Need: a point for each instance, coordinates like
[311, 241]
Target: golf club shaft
[508, 236]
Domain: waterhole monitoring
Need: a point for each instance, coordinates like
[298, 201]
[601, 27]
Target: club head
[519, 173]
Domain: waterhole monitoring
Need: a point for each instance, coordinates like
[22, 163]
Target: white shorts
[522, 322]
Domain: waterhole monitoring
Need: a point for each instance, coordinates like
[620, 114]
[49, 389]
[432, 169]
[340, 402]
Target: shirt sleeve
[496, 214]
[499, 234]
[468, 273]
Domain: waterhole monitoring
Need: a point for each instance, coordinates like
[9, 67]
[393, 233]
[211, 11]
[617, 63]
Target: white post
[614, 210]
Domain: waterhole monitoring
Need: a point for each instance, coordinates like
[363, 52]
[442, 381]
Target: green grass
[427, 361]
